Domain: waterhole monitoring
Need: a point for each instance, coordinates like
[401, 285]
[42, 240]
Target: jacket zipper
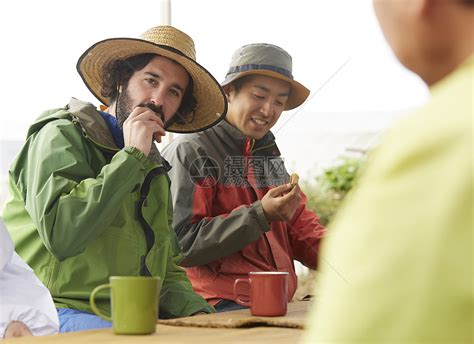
[251, 152]
[148, 231]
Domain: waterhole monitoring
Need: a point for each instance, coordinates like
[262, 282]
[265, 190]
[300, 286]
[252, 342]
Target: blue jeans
[227, 305]
[71, 320]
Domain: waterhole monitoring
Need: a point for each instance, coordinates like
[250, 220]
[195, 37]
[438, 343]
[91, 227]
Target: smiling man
[90, 191]
[235, 211]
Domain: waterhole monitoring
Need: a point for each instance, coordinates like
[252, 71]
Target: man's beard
[123, 109]
[125, 106]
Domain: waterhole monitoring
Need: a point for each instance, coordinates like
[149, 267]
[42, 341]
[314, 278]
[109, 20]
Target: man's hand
[17, 329]
[141, 127]
[281, 202]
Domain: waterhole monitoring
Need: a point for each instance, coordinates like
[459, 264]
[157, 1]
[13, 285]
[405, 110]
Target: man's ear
[229, 90]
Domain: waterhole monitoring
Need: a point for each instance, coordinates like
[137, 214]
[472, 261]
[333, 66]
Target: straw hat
[169, 42]
[269, 60]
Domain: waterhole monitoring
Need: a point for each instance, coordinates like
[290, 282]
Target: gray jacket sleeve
[204, 234]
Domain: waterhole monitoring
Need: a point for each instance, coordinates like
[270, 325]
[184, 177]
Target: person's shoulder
[59, 126]
[56, 131]
[59, 118]
[185, 144]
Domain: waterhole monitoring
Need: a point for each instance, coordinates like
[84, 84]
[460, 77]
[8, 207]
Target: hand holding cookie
[280, 203]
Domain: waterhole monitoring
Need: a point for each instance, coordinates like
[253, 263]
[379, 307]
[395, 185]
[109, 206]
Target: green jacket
[83, 210]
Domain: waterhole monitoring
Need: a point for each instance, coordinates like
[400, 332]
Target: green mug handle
[92, 301]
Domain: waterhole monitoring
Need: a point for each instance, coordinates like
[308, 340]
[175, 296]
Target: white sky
[42, 40]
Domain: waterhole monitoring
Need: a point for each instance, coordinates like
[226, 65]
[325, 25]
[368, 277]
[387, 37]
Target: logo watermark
[238, 171]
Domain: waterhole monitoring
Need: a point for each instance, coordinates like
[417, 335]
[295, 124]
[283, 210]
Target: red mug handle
[237, 298]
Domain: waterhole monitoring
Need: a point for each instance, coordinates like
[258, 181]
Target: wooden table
[227, 327]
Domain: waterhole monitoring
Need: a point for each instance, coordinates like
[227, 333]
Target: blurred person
[235, 211]
[26, 306]
[401, 247]
[90, 190]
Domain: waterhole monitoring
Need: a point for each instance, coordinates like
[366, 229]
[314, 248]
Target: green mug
[134, 303]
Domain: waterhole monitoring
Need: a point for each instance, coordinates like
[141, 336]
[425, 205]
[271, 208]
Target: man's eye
[175, 93]
[151, 82]
[258, 96]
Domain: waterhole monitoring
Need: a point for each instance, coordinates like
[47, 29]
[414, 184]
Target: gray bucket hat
[269, 60]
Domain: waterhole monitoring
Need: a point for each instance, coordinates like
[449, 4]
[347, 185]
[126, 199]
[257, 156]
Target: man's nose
[267, 108]
[157, 97]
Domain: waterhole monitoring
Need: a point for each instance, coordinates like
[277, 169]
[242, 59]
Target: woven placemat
[295, 318]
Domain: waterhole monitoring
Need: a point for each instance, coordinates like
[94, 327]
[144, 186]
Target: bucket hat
[169, 42]
[269, 60]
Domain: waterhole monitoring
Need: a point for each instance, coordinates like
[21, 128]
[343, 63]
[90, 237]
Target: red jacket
[218, 178]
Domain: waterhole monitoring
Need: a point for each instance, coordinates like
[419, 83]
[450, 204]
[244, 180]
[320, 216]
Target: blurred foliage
[327, 191]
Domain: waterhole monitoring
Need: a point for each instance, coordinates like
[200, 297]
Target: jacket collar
[92, 123]
[230, 134]
[86, 115]
[97, 130]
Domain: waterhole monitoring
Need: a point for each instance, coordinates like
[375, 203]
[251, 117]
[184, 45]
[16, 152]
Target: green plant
[330, 188]
[340, 177]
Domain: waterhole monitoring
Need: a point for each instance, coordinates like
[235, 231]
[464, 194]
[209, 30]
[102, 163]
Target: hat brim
[298, 93]
[211, 101]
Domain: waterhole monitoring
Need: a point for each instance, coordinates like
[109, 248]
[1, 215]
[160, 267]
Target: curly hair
[119, 72]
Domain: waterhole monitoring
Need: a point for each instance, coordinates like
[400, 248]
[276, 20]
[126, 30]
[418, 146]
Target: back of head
[429, 37]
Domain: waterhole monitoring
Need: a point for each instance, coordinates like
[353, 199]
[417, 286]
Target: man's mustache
[156, 109]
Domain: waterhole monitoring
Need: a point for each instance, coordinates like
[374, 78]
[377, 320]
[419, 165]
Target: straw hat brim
[211, 101]
[298, 93]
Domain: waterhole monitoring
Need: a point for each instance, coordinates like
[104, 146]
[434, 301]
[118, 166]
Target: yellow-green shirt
[397, 266]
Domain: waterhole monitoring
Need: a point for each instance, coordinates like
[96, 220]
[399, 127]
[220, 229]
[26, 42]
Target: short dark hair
[239, 83]
[119, 72]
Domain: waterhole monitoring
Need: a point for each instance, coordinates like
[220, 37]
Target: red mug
[268, 293]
